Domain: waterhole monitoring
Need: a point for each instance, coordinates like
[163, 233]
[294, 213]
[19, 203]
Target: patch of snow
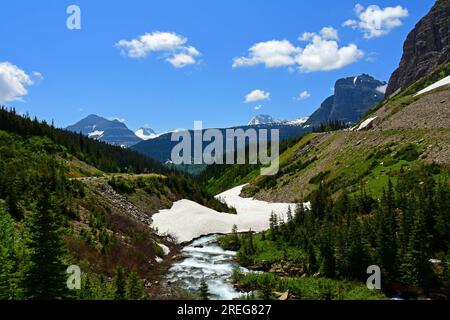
[354, 81]
[164, 248]
[96, 134]
[435, 85]
[366, 123]
[146, 134]
[298, 122]
[188, 220]
[159, 260]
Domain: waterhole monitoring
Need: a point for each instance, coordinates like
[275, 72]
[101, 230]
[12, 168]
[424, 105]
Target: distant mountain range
[353, 97]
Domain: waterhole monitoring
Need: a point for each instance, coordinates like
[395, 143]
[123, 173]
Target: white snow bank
[96, 133]
[366, 123]
[164, 248]
[188, 220]
[435, 85]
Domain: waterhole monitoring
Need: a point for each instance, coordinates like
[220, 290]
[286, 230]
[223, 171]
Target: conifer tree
[119, 284]
[44, 277]
[134, 287]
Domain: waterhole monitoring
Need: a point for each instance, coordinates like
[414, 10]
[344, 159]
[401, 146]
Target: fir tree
[134, 287]
[45, 277]
[119, 284]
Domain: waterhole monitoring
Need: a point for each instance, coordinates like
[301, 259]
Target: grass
[306, 288]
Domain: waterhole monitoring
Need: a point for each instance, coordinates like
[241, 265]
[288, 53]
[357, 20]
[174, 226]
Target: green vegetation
[182, 186]
[49, 220]
[406, 97]
[339, 238]
[304, 288]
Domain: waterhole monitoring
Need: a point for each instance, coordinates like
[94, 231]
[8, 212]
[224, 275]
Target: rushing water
[204, 258]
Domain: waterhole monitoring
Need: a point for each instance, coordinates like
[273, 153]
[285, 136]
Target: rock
[284, 296]
[426, 47]
[352, 98]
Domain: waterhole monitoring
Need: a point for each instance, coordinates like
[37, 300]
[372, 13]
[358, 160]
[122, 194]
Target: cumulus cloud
[322, 53]
[303, 95]
[258, 107]
[257, 95]
[376, 22]
[14, 82]
[273, 54]
[171, 45]
[325, 55]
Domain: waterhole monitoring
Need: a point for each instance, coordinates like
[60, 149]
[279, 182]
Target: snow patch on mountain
[146, 134]
[435, 85]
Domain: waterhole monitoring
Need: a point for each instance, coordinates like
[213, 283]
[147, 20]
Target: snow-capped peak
[262, 119]
[298, 122]
[146, 134]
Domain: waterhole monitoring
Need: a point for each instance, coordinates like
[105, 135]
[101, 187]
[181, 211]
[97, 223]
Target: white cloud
[329, 33]
[382, 89]
[375, 22]
[273, 54]
[181, 60]
[322, 53]
[257, 95]
[258, 107]
[325, 55]
[303, 95]
[14, 82]
[170, 44]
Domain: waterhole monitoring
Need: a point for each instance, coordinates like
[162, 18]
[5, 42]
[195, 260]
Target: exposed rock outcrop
[352, 98]
[426, 47]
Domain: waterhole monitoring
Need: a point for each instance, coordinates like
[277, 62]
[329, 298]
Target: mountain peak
[262, 119]
[109, 131]
[353, 97]
[146, 133]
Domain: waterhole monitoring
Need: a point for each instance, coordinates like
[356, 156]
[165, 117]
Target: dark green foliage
[44, 276]
[332, 125]
[407, 152]
[319, 177]
[400, 232]
[103, 156]
[134, 289]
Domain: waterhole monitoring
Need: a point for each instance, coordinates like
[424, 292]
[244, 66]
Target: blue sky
[56, 73]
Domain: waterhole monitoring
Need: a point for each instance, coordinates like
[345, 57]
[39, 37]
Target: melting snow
[188, 220]
[96, 134]
[435, 85]
[366, 123]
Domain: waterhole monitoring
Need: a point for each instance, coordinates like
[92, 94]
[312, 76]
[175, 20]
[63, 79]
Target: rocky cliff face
[352, 98]
[426, 47]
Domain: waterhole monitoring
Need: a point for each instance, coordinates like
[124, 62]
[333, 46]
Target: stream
[204, 258]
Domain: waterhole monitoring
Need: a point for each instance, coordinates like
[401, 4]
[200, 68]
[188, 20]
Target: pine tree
[45, 277]
[6, 271]
[416, 268]
[386, 232]
[134, 288]
[273, 226]
[119, 284]
[204, 290]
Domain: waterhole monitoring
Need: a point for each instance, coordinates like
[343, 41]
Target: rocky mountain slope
[109, 131]
[426, 47]
[352, 98]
